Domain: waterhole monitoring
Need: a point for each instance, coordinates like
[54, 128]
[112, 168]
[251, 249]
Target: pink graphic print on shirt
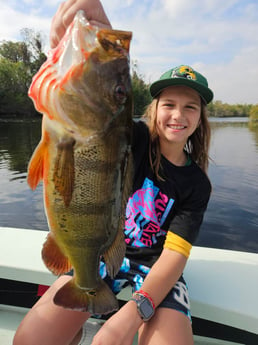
[146, 212]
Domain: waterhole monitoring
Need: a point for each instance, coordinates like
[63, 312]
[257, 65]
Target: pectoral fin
[54, 258]
[37, 164]
[63, 175]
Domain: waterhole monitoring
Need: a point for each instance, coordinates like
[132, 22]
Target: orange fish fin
[54, 258]
[36, 165]
[96, 301]
[63, 175]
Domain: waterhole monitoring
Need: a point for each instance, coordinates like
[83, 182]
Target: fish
[84, 159]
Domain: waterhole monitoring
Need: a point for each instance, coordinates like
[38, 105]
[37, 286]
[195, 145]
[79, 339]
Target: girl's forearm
[164, 274]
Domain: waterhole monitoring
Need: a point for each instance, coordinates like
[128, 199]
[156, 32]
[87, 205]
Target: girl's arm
[164, 274]
[121, 328]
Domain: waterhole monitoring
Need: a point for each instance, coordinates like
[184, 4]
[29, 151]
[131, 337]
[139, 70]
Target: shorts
[131, 273]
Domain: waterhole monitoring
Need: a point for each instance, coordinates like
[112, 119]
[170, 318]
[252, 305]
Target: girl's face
[178, 114]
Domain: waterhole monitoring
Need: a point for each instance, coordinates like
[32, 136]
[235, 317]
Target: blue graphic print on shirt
[146, 212]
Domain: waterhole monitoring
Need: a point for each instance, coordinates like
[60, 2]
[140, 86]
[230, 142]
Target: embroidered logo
[184, 72]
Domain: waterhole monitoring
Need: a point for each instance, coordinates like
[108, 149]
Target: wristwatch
[144, 306]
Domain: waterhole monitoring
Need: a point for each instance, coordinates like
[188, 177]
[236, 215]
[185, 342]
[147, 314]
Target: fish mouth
[83, 76]
[82, 40]
[77, 44]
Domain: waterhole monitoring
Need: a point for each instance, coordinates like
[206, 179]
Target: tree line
[19, 61]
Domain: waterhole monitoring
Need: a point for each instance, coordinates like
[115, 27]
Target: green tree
[34, 42]
[219, 109]
[141, 92]
[253, 120]
[19, 61]
[14, 82]
[14, 51]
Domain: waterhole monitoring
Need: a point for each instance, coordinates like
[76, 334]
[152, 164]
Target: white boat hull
[223, 288]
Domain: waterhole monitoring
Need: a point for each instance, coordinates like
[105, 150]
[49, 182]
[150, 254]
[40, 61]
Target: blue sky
[217, 37]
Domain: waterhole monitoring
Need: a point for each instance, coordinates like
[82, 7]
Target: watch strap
[145, 294]
[145, 305]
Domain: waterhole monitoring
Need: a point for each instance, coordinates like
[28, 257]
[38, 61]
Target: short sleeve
[184, 227]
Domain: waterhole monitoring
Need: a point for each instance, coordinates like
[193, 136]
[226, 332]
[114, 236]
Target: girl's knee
[24, 337]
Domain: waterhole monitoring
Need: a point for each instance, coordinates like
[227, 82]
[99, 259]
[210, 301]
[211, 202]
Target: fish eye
[120, 93]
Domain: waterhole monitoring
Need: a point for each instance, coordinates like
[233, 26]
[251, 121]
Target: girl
[163, 216]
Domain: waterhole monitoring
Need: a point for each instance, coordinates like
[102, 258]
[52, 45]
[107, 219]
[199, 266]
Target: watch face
[146, 309]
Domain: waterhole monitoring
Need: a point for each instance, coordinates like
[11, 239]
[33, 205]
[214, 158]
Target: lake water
[231, 220]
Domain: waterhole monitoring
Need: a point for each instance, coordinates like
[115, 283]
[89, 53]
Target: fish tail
[98, 301]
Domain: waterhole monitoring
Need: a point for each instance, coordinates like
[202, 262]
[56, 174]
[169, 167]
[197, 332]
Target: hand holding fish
[64, 16]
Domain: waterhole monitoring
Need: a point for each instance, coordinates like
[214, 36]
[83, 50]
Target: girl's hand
[66, 12]
[121, 328]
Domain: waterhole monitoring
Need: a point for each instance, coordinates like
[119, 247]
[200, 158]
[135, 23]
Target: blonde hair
[197, 144]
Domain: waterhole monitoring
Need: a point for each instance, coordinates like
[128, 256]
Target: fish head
[85, 85]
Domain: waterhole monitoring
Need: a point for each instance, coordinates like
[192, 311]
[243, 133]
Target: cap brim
[204, 92]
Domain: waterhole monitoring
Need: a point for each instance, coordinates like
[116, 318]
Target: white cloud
[236, 82]
[218, 37]
[12, 21]
[220, 40]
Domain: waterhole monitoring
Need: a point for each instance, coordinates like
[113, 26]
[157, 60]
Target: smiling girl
[171, 191]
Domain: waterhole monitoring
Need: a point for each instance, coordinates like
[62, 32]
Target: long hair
[197, 145]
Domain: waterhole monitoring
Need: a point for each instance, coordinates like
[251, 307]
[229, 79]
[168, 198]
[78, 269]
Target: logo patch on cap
[183, 72]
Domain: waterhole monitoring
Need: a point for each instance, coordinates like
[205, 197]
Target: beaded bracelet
[145, 294]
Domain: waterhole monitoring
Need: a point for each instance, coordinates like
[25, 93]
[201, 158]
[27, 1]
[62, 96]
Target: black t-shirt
[176, 204]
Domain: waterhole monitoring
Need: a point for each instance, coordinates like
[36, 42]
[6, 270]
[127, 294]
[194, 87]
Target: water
[19, 206]
[231, 220]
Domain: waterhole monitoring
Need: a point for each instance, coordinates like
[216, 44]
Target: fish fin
[54, 258]
[116, 252]
[36, 165]
[64, 170]
[96, 301]
[128, 177]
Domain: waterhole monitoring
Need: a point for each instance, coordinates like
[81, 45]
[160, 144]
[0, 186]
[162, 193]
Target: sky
[218, 38]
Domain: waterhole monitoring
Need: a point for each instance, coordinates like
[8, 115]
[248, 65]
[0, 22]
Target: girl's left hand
[121, 328]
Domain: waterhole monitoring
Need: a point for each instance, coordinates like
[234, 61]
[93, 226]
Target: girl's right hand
[121, 328]
[94, 13]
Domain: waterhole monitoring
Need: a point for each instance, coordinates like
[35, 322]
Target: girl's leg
[167, 327]
[49, 324]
